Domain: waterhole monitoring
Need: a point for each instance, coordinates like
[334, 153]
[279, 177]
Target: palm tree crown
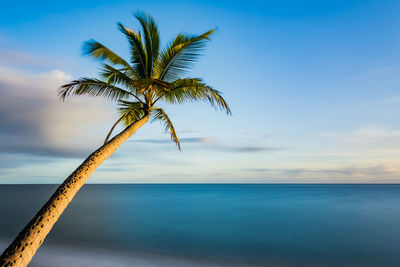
[154, 74]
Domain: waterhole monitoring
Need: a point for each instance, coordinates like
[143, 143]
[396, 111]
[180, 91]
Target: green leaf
[97, 50]
[138, 54]
[178, 57]
[151, 40]
[190, 90]
[160, 115]
[93, 87]
[131, 111]
[119, 77]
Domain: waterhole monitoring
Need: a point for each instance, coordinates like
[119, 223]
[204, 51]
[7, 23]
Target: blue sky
[313, 86]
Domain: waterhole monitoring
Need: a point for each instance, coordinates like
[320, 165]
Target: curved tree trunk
[22, 249]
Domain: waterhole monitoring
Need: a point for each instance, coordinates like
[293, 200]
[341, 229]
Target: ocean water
[213, 225]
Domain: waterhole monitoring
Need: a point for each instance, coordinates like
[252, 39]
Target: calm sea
[213, 225]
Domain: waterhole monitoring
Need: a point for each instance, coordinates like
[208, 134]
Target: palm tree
[153, 75]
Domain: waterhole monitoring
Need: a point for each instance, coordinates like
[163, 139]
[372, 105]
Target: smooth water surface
[215, 225]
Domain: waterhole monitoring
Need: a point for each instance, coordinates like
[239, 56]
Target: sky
[314, 88]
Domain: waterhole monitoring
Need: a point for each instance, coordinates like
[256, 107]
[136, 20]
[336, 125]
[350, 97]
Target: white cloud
[34, 120]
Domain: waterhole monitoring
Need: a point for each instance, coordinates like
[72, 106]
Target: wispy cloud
[350, 174]
[198, 140]
[251, 149]
[372, 137]
[212, 144]
[33, 120]
[392, 100]
[17, 58]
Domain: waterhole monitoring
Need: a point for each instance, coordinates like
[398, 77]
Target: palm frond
[191, 90]
[97, 50]
[151, 39]
[138, 53]
[159, 114]
[177, 58]
[93, 87]
[154, 87]
[131, 111]
[117, 77]
[112, 129]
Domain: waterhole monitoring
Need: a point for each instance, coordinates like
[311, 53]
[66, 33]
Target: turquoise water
[215, 225]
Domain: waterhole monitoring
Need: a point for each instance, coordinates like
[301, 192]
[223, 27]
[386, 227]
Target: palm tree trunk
[22, 249]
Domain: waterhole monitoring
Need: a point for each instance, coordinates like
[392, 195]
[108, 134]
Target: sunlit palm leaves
[152, 75]
[120, 77]
[159, 114]
[138, 53]
[184, 90]
[97, 50]
[131, 111]
[151, 40]
[177, 58]
[93, 87]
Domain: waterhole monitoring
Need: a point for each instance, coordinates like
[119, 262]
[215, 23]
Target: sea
[213, 224]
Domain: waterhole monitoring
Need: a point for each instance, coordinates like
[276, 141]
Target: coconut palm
[154, 75]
